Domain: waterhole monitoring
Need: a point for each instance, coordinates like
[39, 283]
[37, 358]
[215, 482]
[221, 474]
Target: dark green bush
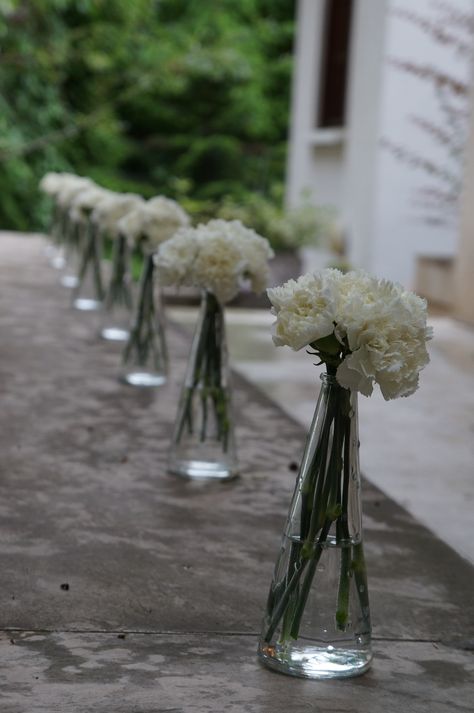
[144, 96]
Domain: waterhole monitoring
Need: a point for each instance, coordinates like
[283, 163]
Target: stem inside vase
[203, 442]
[317, 622]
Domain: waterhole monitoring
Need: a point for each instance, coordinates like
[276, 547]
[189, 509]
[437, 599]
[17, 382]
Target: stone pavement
[167, 580]
[419, 450]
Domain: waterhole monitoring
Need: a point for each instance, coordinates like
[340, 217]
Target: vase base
[58, 262]
[114, 334]
[69, 281]
[316, 662]
[86, 305]
[202, 470]
[143, 379]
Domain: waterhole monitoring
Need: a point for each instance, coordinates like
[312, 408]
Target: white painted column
[305, 90]
[363, 128]
[314, 155]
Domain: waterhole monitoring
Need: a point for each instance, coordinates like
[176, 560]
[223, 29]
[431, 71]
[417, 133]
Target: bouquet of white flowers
[147, 226]
[220, 256]
[364, 331]
[63, 188]
[153, 222]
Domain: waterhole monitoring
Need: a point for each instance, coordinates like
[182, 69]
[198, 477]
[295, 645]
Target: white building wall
[373, 191]
[400, 232]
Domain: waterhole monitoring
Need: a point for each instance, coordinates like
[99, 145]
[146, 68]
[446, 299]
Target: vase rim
[331, 380]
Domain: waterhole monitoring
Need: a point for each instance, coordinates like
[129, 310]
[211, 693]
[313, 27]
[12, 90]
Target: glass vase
[145, 357]
[72, 254]
[118, 301]
[317, 621]
[203, 445]
[57, 253]
[88, 295]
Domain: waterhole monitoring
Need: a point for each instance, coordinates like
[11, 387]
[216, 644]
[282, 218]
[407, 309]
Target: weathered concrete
[181, 569]
[55, 673]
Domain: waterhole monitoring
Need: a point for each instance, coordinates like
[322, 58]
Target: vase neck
[120, 258]
[210, 304]
[209, 349]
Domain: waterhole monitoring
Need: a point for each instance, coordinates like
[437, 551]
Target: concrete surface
[418, 450]
[167, 580]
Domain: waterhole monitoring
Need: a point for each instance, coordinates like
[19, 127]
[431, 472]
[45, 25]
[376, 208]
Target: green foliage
[148, 96]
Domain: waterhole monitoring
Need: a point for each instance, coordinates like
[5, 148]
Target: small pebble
[65, 587]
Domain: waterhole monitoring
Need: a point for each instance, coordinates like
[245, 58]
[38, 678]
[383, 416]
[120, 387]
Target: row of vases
[203, 444]
[317, 621]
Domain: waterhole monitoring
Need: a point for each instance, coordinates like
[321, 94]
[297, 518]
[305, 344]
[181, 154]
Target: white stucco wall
[400, 234]
[374, 192]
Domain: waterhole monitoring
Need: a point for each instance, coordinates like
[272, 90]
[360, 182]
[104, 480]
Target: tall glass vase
[317, 621]
[56, 254]
[89, 292]
[203, 445]
[118, 301]
[72, 253]
[145, 357]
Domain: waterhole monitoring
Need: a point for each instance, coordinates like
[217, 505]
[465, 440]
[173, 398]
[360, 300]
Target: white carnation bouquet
[363, 329]
[147, 226]
[221, 257]
[153, 222]
[63, 189]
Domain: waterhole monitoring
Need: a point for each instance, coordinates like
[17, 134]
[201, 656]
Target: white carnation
[256, 252]
[155, 221]
[84, 202]
[219, 263]
[175, 258]
[52, 182]
[107, 213]
[305, 309]
[72, 187]
[131, 225]
[225, 255]
[378, 328]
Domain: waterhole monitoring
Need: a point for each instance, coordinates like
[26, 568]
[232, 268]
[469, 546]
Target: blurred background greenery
[181, 97]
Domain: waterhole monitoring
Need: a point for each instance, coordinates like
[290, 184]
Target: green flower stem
[90, 255]
[360, 576]
[206, 378]
[342, 612]
[118, 292]
[342, 530]
[143, 338]
[309, 577]
[324, 500]
[312, 515]
[299, 568]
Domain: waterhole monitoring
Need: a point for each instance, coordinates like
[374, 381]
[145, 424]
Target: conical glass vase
[72, 254]
[145, 357]
[57, 231]
[116, 312]
[88, 295]
[317, 621]
[203, 445]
